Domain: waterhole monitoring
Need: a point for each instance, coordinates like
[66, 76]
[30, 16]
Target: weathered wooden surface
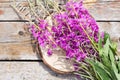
[29, 71]
[15, 41]
[113, 28]
[8, 14]
[17, 51]
[15, 44]
[99, 10]
[7, 1]
[104, 10]
[14, 32]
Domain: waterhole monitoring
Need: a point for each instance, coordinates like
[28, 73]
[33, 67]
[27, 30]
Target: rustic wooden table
[18, 61]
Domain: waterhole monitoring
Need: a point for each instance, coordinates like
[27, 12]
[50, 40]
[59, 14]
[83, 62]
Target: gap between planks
[21, 60]
[29, 71]
[34, 20]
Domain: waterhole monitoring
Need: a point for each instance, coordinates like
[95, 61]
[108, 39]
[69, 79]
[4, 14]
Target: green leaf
[114, 68]
[106, 48]
[100, 43]
[113, 47]
[119, 66]
[118, 76]
[106, 61]
[101, 72]
[93, 69]
[111, 56]
[106, 36]
[113, 62]
[107, 65]
[101, 51]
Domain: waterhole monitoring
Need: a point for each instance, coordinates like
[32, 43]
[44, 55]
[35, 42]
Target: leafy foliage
[107, 67]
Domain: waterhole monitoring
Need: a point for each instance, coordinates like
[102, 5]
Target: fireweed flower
[72, 30]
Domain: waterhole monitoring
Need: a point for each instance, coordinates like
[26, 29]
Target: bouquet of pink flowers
[73, 30]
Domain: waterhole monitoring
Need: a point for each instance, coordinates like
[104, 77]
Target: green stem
[31, 8]
[44, 9]
[54, 4]
[83, 75]
[85, 31]
[89, 37]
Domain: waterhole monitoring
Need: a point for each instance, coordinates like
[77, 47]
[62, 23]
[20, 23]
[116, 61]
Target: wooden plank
[29, 71]
[59, 0]
[15, 41]
[7, 1]
[99, 10]
[4, 1]
[10, 32]
[17, 51]
[7, 4]
[94, 1]
[8, 14]
[19, 47]
[4, 5]
[104, 10]
[113, 28]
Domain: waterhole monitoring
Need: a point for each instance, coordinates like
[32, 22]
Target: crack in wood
[14, 21]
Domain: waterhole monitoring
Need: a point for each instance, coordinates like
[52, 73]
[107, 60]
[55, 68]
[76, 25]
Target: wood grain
[17, 51]
[105, 10]
[99, 10]
[29, 71]
[15, 40]
[113, 28]
[8, 14]
[7, 1]
[14, 31]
